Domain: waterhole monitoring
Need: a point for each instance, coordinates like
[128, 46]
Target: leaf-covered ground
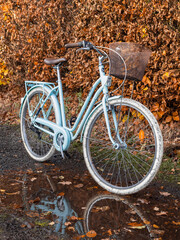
[59, 200]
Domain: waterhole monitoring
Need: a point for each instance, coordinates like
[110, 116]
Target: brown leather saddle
[54, 61]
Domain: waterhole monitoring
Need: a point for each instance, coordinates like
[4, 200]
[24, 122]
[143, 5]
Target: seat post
[57, 67]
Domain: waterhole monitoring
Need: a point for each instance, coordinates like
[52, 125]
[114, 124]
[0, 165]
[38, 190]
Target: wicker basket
[135, 56]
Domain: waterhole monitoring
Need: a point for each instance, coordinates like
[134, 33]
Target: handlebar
[84, 45]
[74, 45]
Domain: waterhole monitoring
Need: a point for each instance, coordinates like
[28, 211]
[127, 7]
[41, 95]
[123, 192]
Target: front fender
[109, 99]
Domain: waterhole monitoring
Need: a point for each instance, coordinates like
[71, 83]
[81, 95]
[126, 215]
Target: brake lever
[83, 48]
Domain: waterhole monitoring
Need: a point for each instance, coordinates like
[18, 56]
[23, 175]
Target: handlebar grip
[74, 45]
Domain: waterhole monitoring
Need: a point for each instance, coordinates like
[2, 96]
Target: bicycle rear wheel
[38, 144]
[132, 167]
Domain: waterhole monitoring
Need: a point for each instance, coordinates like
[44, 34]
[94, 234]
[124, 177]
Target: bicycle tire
[126, 170]
[37, 143]
[111, 207]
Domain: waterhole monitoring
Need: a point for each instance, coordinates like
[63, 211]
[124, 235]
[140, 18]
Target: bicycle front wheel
[134, 165]
[38, 143]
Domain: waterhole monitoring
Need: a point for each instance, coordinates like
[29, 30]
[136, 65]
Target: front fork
[117, 143]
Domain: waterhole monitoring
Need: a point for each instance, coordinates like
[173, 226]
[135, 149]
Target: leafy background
[33, 30]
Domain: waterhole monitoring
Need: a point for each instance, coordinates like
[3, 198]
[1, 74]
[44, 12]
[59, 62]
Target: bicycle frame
[60, 126]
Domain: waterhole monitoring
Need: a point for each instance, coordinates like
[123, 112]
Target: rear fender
[54, 98]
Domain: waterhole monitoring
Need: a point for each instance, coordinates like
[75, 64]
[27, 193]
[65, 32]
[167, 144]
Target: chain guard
[64, 136]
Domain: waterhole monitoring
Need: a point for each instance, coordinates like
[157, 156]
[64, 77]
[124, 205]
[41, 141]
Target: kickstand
[61, 150]
[67, 154]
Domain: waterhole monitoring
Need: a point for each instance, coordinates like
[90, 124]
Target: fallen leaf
[141, 134]
[109, 232]
[2, 190]
[51, 223]
[146, 221]
[165, 75]
[16, 206]
[157, 231]
[61, 177]
[33, 179]
[165, 194]
[161, 213]
[91, 233]
[168, 119]
[60, 194]
[67, 223]
[176, 118]
[98, 209]
[23, 225]
[80, 185]
[73, 218]
[135, 225]
[13, 184]
[14, 193]
[65, 183]
[176, 223]
[71, 228]
[143, 200]
[32, 214]
[90, 188]
[34, 200]
[155, 226]
[156, 208]
[78, 237]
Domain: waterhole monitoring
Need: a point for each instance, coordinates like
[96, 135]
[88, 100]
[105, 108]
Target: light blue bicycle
[122, 141]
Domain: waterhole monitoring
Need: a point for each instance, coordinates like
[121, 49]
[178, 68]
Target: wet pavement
[59, 200]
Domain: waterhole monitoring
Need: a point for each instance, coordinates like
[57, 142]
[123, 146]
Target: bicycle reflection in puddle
[62, 211]
[108, 216]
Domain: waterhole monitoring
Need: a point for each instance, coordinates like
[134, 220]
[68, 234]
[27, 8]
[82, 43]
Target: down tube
[85, 105]
[88, 112]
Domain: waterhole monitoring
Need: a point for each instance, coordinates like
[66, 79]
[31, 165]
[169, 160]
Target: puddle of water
[71, 206]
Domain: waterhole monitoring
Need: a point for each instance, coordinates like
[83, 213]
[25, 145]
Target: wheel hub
[120, 145]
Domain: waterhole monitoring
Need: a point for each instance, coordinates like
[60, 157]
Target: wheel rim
[127, 167]
[104, 212]
[38, 143]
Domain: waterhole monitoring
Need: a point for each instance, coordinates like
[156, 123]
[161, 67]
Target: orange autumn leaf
[141, 135]
[109, 232]
[73, 218]
[136, 225]
[155, 107]
[176, 223]
[91, 233]
[168, 119]
[78, 237]
[35, 200]
[160, 114]
[175, 113]
[165, 75]
[176, 118]
[155, 226]
[60, 194]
